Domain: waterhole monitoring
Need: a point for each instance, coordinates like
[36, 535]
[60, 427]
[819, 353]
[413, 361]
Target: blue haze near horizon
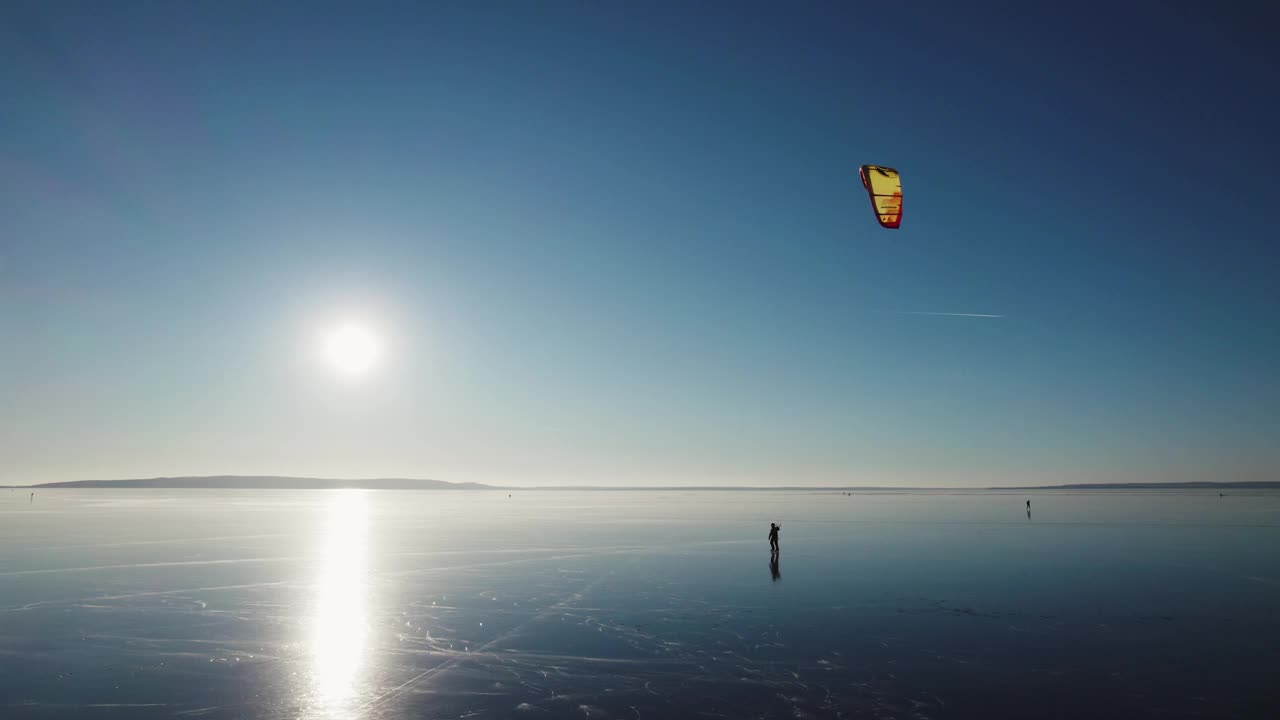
[360, 605]
[626, 243]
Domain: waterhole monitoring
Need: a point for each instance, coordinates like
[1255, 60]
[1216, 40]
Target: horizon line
[107, 483]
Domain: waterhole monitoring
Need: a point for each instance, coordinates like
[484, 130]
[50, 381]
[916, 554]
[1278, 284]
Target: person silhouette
[773, 537]
[773, 567]
[1028, 504]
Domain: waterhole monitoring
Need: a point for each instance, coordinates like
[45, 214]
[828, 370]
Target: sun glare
[339, 622]
[351, 349]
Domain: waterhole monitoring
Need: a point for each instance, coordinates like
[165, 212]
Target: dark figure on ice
[1028, 504]
[773, 537]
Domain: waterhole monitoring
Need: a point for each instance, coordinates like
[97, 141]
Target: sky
[625, 242]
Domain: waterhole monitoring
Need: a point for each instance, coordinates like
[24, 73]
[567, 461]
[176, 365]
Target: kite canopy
[884, 187]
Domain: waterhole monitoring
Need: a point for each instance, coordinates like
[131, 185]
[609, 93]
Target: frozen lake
[628, 604]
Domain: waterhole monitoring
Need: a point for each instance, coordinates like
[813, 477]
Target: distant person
[773, 537]
[33, 498]
[1028, 504]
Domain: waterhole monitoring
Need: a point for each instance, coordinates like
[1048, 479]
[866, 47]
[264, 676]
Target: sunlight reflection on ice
[339, 622]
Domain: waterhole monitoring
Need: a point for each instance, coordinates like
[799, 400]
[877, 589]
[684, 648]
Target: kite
[884, 188]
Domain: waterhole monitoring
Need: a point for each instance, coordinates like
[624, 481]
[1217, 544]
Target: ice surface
[452, 604]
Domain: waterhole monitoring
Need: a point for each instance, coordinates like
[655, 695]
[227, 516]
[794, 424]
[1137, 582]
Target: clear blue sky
[626, 242]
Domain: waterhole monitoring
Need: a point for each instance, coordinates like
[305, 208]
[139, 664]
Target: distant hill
[1263, 485]
[270, 482]
[891, 489]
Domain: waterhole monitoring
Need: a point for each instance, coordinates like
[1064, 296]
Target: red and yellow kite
[884, 187]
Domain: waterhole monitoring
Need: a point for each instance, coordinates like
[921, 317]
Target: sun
[351, 349]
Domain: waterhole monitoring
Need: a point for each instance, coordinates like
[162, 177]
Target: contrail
[978, 315]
